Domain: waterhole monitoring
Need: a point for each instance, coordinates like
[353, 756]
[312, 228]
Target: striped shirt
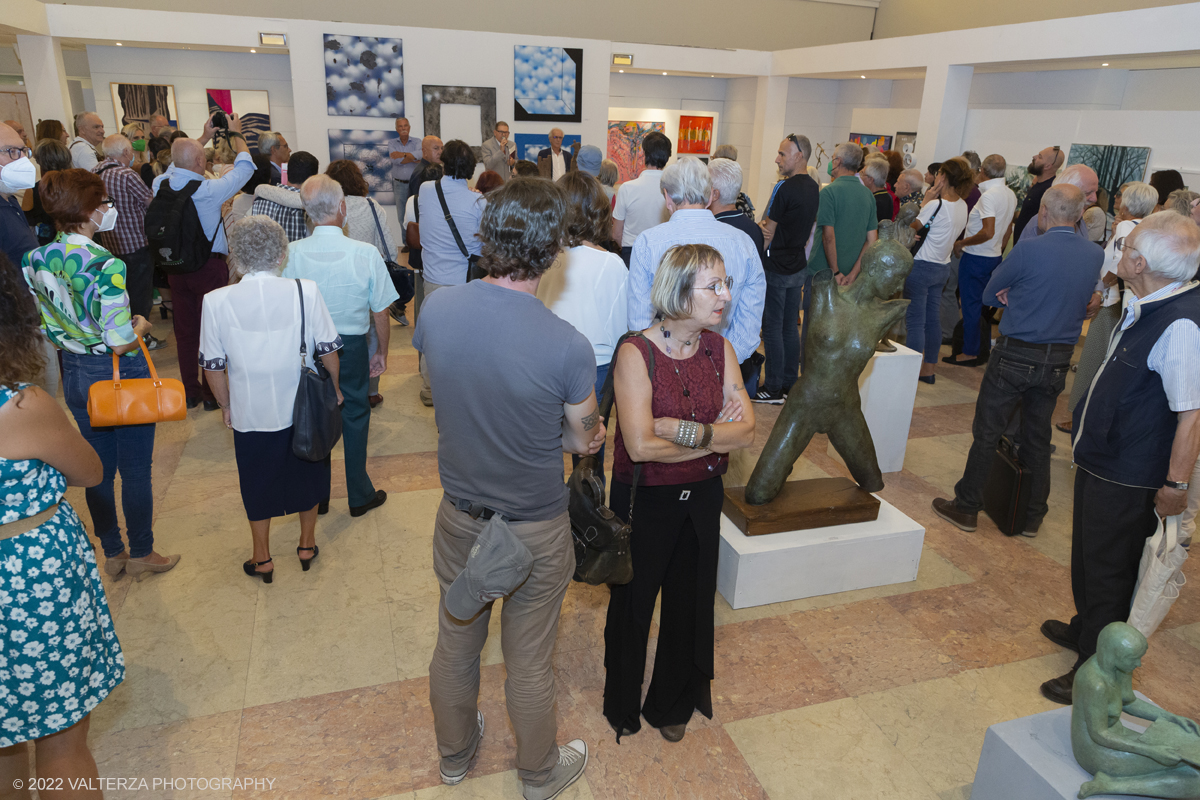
[1176, 354]
[742, 319]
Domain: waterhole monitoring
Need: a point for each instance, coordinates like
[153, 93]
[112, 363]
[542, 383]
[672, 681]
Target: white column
[307, 59]
[770, 109]
[46, 79]
[943, 112]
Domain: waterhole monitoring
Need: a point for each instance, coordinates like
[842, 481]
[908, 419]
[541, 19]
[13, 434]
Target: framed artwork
[547, 84]
[1017, 178]
[1114, 166]
[625, 145]
[872, 139]
[434, 97]
[906, 144]
[136, 102]
[368, 149]
[695, 135]
[530, 144]
[364, 76]
[252, 107]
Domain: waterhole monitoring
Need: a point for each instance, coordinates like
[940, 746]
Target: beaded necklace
[687, 392]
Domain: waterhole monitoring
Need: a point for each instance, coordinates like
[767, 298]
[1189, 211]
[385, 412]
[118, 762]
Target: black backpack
[176, 237]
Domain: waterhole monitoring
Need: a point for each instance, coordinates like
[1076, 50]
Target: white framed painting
[137, 102]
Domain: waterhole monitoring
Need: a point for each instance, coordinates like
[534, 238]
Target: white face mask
[109, 221]
[18, 175]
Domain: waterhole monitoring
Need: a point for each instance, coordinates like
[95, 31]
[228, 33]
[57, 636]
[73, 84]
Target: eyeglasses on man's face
[717, 286]
[1121, 245]
[14, 153]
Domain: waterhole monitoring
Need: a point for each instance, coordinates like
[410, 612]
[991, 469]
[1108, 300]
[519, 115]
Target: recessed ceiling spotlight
[120, 45]
[864, 77]
[664, 73]
[1105, 64]
[252, 50]
[620, 70]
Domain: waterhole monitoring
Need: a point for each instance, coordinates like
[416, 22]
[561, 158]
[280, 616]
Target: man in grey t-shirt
[519, 395]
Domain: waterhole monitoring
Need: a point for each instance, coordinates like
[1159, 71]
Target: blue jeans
[924, 288]
[1016, 376]
[601, 376]
[128, 449]
[781, 334]
[973, 275]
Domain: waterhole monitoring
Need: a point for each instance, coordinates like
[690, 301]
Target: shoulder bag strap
[607, 402]
[303, 336]
[450, 220]
[379, 228]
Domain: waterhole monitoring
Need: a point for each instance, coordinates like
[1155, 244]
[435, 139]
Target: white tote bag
[1160, 577]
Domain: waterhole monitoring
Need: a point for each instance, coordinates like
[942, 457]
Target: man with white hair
[127, 241]
[1043, 168]
[272, 145]
[186, 174]
[89, 134]
[687, 191]
[874, 176]
[1137, 434]
[1044, 286]
[355, 284]
[981, 248]
[910, 187]
[846, 218]
[1085, 179]
[787, 229]
[554, 162]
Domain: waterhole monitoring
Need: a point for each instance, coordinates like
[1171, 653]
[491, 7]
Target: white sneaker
[453, 779]
[572, 758]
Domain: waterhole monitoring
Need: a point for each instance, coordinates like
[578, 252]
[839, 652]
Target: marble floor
[317, 686]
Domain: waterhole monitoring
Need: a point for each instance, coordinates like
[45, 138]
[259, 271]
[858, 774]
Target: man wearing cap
[589, 159]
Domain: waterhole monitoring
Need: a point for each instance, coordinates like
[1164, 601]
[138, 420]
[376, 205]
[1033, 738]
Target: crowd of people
[282, 258]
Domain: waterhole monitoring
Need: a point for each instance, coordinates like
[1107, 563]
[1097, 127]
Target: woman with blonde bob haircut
[683, 409]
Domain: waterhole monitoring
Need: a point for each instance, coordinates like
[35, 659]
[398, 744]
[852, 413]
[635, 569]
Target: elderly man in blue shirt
[188, 289]
[687, 188]
[356, 288]
[1044, 285]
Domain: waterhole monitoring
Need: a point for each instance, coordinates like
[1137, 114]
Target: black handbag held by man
[316, 418]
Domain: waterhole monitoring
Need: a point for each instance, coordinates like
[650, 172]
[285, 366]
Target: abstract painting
[625, 145]
[546, 84]
[1017, 178]
[695, 135]
[1114, 166]
[530, 144]
[368, 149]
[136, 102]
[906, 140]
[433, 97]
[364, 76]
[252, 107]
[872, 140]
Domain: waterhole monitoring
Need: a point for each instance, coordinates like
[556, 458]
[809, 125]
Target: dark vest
[1125, 429]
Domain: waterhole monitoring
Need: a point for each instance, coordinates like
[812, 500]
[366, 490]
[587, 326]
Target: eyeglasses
[107, 201]
[717, 286]
[1120, 246]
[15, 153]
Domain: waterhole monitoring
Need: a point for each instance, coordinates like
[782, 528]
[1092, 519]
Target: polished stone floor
[319, 682]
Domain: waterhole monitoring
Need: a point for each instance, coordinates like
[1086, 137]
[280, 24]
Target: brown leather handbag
[135, 401]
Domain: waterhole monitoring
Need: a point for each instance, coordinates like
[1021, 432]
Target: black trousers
[675, 538]
[1109, 530]
[139, 280]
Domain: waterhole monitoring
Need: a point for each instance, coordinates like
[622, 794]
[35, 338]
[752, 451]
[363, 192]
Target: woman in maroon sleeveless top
[679, 425]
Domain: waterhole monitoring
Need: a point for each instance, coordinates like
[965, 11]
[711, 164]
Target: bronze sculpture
[842, 335]
[900, 231]
[1163, 761]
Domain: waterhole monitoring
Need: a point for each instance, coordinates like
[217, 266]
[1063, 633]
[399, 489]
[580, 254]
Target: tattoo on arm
[591, 419]
[737, 387]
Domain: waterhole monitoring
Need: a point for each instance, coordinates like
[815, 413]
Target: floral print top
[80, 289]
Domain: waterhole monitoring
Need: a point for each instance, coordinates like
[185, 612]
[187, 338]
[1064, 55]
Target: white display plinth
[756, 570]
[888, 389]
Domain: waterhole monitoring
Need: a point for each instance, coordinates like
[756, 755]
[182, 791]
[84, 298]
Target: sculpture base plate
[802, 505]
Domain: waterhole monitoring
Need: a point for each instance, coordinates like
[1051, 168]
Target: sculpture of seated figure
[842, 334]
[1162, 762]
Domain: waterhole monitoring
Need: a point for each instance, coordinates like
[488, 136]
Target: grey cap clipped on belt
[498, 564]
[589, 159]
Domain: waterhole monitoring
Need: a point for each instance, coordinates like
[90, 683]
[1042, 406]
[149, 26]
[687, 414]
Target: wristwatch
[1181, 486]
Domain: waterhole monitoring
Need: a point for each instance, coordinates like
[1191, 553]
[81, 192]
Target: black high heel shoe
[306, 563]
[249, 568]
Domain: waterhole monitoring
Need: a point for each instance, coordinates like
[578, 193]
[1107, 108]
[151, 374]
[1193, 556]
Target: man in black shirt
[787, 229]
[874, 177]
[1043, 168]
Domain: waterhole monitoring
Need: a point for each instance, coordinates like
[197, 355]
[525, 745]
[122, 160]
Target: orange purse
[135, 401]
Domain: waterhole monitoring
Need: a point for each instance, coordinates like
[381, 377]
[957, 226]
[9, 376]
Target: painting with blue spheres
[369, 150]
[547, 82]
[364, 76]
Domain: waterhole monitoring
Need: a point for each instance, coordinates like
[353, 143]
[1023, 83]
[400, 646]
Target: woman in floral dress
[59, 655]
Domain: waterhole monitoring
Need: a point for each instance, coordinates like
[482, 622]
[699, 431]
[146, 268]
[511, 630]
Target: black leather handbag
[316, 418]
[1006, 494]
[601, 539]
[474, 271]
[402, 277]
[919, 239]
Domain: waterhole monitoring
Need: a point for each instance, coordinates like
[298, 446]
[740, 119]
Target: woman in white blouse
[587, 284]
[250, 348]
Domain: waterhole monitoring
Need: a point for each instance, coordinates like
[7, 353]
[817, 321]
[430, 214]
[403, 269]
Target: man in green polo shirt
[846, 219]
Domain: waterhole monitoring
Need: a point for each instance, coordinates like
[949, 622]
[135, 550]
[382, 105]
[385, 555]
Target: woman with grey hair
[249, 343]
[1137, 200]
[683, 410]
[1185, 202]
[608, 177]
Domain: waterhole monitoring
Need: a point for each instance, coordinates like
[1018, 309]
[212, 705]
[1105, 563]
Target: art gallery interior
[881, 686]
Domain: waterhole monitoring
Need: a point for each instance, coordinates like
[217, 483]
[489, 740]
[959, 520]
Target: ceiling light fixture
[1105, 64]
[864, 77]
[664, 73]
[272, 39]
[622, 59]
[620, 70]
[120, 45]
[252, 50]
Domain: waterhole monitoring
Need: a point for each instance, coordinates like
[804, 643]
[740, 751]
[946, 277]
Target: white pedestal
[888, 388]
[756, 570]
[1031, 758]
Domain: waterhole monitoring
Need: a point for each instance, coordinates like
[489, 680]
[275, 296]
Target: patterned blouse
[80, 289]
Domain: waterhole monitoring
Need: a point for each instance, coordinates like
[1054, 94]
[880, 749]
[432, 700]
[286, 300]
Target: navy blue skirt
[274, 482]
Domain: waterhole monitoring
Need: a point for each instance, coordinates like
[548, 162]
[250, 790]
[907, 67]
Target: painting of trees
[1114, 165]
